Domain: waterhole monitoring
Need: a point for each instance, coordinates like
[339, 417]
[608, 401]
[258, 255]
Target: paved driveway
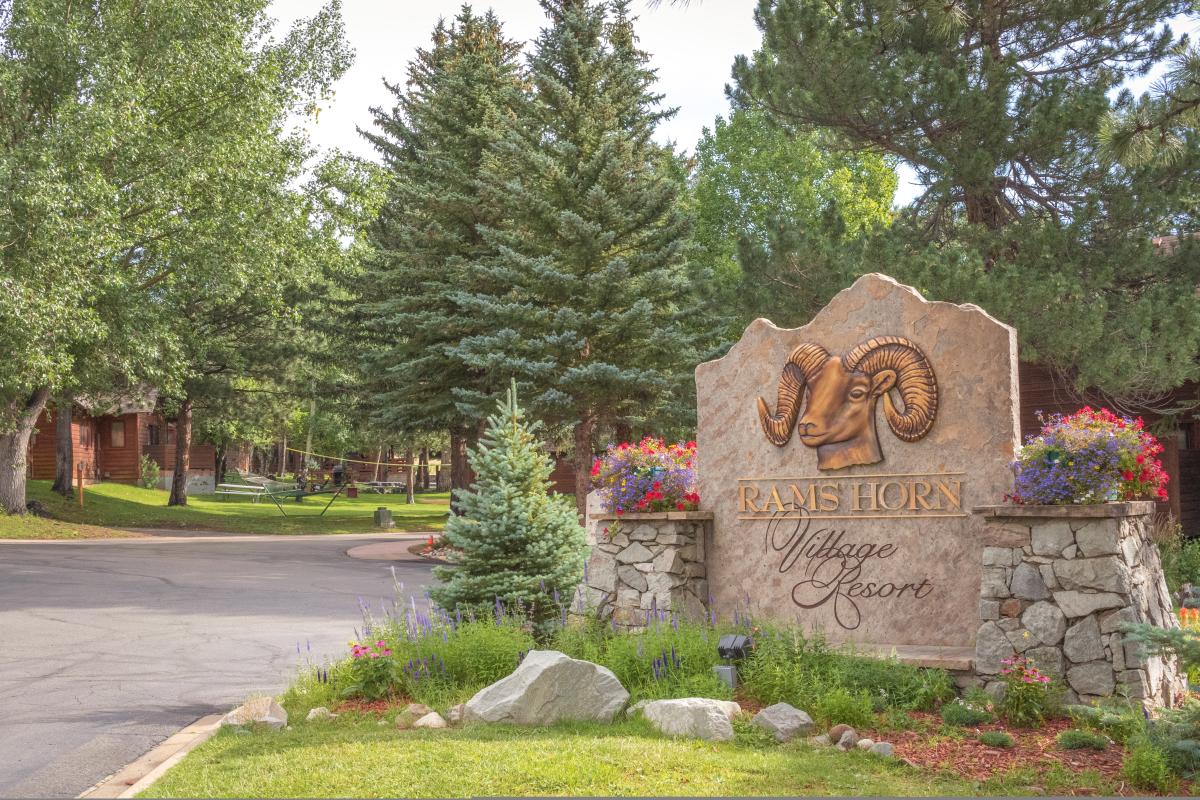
[108, 647]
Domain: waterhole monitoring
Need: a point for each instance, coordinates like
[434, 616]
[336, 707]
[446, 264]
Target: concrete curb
[225, 537]
[139, 775]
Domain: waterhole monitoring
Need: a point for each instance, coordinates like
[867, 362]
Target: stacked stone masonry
[644, 563]
[1058, 582]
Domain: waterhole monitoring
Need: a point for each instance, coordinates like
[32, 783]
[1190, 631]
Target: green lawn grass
[354, 756]
[118, 505]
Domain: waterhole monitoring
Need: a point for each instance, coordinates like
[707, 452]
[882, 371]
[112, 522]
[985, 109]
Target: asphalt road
[107, 647]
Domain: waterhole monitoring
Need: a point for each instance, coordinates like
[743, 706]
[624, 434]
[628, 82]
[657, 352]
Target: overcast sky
[692, 47]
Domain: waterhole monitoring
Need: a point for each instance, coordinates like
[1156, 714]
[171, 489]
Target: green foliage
[1081, 740]
[148, 472]
[1182, 643]
[1122, 722]
[965, 714]
[789, 667]
[1146, 766]
[519, 545]
[996, 739]
[1021, 210]
[1180, 556]
[840, 707]
[1027, 695]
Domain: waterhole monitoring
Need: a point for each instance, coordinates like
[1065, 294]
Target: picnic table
[276, 491]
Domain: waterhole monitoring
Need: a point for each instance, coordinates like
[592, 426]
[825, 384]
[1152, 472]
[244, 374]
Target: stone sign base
[1058, 581]
[644, 563]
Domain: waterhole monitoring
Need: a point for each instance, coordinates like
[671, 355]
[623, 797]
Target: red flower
[1141, 459]
[1127, 475]
[679, 506]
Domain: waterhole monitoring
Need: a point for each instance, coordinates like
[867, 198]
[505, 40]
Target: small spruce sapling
[522, 549]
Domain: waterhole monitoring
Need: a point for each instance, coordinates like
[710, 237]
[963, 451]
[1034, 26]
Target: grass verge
[118, 505]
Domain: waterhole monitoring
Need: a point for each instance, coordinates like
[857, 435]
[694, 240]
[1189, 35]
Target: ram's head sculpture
[838, 394]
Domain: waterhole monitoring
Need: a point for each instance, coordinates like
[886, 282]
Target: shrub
[371, 669]
[519, 546]
[1026, 693]
[648, 476]
[840, 707]
[1089, 457]
[1146, 766]
[1081, 740]
[996, 739]
[148, 472]
[965, 714]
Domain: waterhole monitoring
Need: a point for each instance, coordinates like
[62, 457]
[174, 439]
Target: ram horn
[800, 368]
[914, 380]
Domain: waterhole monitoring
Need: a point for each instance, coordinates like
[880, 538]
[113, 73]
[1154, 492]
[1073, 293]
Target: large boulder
[547, 687]
[260, 710]
[784, 722]
[696, 717]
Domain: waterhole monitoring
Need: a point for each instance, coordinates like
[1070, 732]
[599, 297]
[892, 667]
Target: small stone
[319, 713]
[1113, 620]
[1106, 574]
[1070, 551]
[636, 708]
[669, 561]
[643, 533]
[1048, 578]
[999, 557]
[455, 714]
[1027, 583]
[989, 609]
[1048, 659]
[784, 722]
[991, 647]
[262, 710]
[884, 749]
[865, 744]
[1097, 538]
[431, 720]
[994, 583]
[847, 740]
[418, 710]
[1051, 538]
[632, 578]
[1046, 622]
[1010, 607]
[1082, 642]
[821, 740]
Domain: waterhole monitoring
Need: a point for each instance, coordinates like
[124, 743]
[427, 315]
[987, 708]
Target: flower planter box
[648, 564]
[1059, 581]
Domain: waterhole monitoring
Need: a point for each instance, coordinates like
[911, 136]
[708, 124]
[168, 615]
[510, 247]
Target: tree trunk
[583, 462]
[312, 419]
[219, 463]
[14, 451]
[460, 473]
[423, 460]
[283, 456]
[64, 446]
[378, 459]
[183, 455]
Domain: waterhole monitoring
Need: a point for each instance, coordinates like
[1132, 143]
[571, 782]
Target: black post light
[732, 647]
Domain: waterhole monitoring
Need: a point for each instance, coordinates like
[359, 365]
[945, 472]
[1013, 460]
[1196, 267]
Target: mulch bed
[378, 707]
[442, 555]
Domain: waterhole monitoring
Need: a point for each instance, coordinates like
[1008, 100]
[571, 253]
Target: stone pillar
[647, 563]
[1058, 581]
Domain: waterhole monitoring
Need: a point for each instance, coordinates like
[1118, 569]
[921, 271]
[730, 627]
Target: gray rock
[1000, 557]
[991, 647]
[1113, 620]
[431, 720]
[995, 690]
[884, 749]
[1080, 604]
[669, 561]
[1048, 578]
[865, 744]
[1105, 573]
[632, 578]
[257, 710]
[643, 533]
[694, 717]
[820, 741]
[1046, 622]
[1070, 551]
[1047, 659]
[601, 572]
[1027, 583]
[784, 722]
[1093, 678]
[847, 740]
[319, 713]
[455, 715]
[1083, 642]
[636, 708]
[417, 710]
[549, 686]
[635, 553]
[1097, 538]
[994, 583]
[1051, 538]
[989, 609]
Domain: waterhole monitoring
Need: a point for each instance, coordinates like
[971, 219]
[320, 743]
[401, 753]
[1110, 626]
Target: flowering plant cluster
[1089, 457]
[1189, 618]
[377, 649]
[648, 476]
[372, 670]
[1026, 695]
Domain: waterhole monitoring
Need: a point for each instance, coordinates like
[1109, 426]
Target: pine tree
[459, 92]
[589, 293]
[1002, 110]
[521, 546]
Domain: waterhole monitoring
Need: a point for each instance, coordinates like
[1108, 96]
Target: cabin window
[154, 434]
[117, 434]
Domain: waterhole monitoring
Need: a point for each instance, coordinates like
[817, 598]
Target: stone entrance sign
[842, 460]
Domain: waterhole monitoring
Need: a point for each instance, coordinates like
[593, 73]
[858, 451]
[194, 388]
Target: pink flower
[374, 655]
[381, 643]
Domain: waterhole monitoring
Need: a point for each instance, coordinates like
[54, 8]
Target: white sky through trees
[692, 46]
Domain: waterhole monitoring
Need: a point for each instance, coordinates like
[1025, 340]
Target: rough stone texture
[431, 720]
[661, 568]
[1102, 570]
[847, 740]
[547, 687]
[784, 722]
[695, 717]
[865, 744]
[319, 713]
[455, 714]
[974, 436]
[884, 749]
[1046, 622]
[417, 710]
[260, 710]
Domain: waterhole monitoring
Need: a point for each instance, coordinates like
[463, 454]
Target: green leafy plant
[965, 714]
[1026, 699]
[840, 707]
[1146, 766]
[996, 739]
[372, 671]
[1076, 739]
[148, 472]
